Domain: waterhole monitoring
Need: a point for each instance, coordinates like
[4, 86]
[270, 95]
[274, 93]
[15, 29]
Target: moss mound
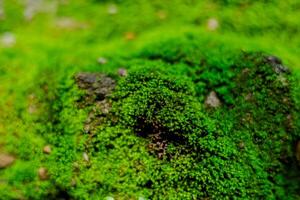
[191, 120]
[158, 133]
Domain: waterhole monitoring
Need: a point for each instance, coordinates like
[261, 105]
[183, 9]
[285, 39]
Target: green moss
[151, 101]
[159, 140]
[237, 154]
[155, 137]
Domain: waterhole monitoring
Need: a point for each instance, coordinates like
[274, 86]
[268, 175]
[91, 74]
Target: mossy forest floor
[136, 99]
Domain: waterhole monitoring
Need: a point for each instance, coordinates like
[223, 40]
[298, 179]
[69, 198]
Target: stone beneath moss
[277, 65]
[6, 160]
[96, 85]
[154, 128]
[162, 107]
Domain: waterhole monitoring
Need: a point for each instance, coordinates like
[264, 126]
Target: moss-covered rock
[191, 119]
[158, 139]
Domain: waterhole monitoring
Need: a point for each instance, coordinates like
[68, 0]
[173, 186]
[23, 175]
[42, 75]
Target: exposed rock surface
[97, 87]
[277, 65]
[95, 84]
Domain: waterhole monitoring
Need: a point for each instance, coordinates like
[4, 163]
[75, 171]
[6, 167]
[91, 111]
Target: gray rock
[212, 100]
[274, 60]
[86, 78]
[97, 88]
[95, 84]
[277, 65]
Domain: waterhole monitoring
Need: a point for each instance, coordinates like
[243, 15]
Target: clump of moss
[157, 104]
[158, 140]
[259, 109]
[229, 152]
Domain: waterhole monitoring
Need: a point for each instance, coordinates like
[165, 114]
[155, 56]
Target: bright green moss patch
[151, 101]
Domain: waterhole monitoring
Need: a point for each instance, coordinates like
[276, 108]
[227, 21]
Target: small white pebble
[212, 24]
[85, 157]
[102, 60]
[112, 9]
[212, 100]
[8, 39]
